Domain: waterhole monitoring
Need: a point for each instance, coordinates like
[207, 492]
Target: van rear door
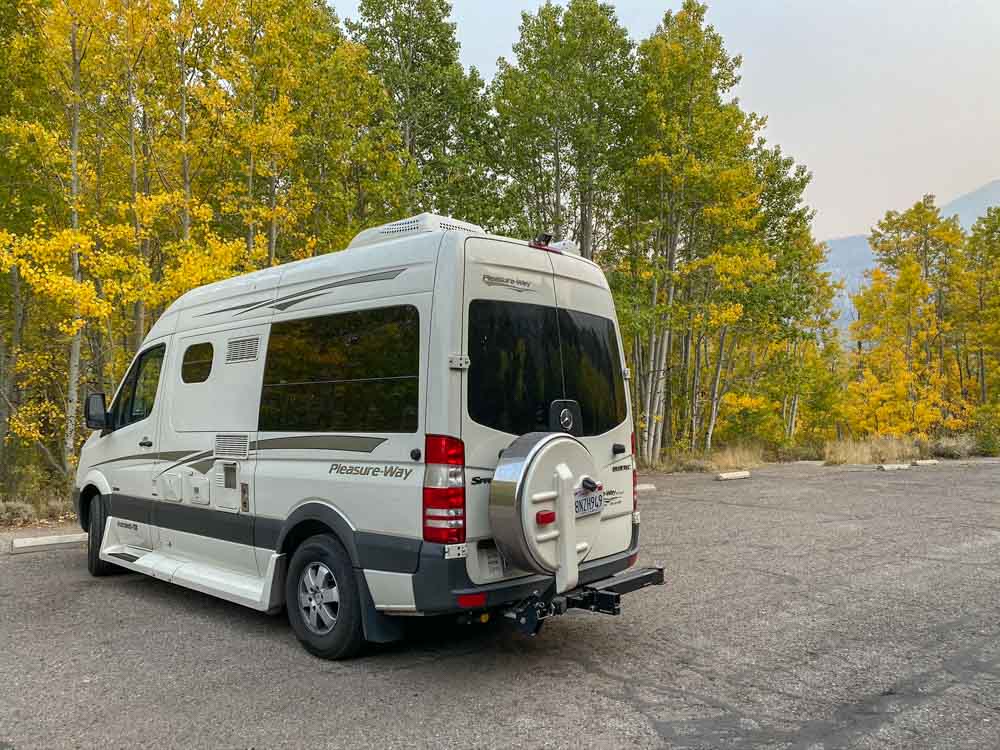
[594, 376]
[537, 334]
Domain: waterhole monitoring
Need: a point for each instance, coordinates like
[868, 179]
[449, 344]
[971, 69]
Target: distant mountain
[850, 257]
[971, 206]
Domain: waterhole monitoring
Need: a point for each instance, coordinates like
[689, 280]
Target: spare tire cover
[526, 481]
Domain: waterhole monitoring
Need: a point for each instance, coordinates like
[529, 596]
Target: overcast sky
[883, 100]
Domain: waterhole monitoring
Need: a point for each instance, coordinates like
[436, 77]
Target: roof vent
[414, 225]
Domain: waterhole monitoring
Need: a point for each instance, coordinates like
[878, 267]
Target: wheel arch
[313, 518]
[318, 517]
[87, 496]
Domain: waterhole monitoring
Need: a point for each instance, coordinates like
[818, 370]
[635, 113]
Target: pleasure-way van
[435, 421]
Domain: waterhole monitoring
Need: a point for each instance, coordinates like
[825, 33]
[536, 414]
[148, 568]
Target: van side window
[197, 363]
[138, 393]
[356, 372]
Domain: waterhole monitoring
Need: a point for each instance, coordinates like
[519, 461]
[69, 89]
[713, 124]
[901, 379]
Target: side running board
[126, 556]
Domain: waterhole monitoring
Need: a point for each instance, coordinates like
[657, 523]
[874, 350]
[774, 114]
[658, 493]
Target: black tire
[346, 637]
[95, 536]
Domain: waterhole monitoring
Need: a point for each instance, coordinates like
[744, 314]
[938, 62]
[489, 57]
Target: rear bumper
[438, 583]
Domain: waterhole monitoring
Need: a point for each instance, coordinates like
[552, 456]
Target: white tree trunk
[73, 379]
[716, 392]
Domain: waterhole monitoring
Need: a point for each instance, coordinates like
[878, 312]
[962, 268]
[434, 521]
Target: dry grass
[742, 456]
[724, 459]
[681, 462]
[880, 450]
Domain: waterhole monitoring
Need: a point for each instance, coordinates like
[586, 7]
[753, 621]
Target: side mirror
[95, 412]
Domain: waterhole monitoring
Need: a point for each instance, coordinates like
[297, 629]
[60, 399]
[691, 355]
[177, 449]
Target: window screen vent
[242, 350]
[232, 446]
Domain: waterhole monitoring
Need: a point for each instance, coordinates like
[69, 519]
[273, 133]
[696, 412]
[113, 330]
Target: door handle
[146, 443]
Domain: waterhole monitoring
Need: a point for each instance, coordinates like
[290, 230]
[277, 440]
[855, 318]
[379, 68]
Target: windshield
[524, 357]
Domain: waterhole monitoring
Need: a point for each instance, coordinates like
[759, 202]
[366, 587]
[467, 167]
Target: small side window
[197, 363]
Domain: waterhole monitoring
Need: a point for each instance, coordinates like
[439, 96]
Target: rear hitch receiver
[601, 596]
[606, 596]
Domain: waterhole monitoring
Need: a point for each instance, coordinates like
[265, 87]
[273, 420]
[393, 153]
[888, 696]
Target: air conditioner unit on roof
[419, 224]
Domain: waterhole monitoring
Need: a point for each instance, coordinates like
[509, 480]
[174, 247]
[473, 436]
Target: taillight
[546, 248]
[444, 490]
[472, 601]
[635, 478]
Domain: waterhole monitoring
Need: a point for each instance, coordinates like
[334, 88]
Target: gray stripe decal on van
[375, 551]
[246, 306]
[283, 303]
[151, 456]
[202, 461]
[190, 457]
[354, 443]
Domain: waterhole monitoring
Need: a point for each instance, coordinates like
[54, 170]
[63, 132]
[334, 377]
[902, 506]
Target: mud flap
[377, 626]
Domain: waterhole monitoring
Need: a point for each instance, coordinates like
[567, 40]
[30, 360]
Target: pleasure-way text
[434, 421]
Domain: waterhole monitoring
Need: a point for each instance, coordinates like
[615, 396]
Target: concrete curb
[893, 467]
[728, 475]
[646, 487]
[44, 543]
[926, 462]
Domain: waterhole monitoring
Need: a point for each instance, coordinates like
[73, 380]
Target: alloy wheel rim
[319, 598]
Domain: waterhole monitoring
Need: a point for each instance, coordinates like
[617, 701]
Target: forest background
[151, 146]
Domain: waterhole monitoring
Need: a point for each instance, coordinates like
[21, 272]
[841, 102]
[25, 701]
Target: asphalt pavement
[808, 607]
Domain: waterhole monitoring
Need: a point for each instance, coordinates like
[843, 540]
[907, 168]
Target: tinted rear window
[592, 370]
[524, 357]
[353, 372]
[515, 372]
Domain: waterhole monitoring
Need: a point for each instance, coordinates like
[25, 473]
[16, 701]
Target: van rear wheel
[321, 596]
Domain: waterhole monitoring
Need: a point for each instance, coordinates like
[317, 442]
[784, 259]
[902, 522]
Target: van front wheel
[321, 596]
[95, 536]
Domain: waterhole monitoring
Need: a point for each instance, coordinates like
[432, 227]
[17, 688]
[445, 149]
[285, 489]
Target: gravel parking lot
[808, 607]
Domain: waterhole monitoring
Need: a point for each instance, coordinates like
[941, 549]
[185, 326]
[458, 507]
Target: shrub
[962, 445]
[15, 513]
[808, 451]
[987, 430]
[987, 443]
[57, 508]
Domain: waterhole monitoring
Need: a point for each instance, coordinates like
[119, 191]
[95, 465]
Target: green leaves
[564, 107]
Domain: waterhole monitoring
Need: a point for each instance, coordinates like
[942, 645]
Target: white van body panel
[212, 503]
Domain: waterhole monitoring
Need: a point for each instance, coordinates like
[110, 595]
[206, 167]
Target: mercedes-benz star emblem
[566, 419]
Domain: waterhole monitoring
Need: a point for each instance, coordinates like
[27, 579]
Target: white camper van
[435, 421]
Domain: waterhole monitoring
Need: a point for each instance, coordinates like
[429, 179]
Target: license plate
[588, 504]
